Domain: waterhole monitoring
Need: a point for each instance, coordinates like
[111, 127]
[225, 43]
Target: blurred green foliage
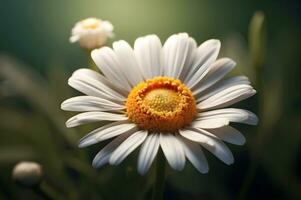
[33, 83]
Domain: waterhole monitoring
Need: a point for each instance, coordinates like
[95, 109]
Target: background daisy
[91, 33]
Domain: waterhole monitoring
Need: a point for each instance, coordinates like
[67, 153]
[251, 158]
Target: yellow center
[161, 104]
[90, 23]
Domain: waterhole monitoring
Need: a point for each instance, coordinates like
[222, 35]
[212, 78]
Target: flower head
[171, 97]
[27, 173]
[91, 33]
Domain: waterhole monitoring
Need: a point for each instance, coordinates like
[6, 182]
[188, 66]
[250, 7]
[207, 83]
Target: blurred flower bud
[27, 173]
[91, 33]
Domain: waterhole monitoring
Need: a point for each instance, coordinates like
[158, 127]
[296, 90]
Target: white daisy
[91, 33]
[169, 97]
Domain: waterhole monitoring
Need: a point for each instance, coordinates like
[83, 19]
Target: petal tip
[230, 161]
[96, 164]
[216, 42]
[82, 144]
[142, 171]
[63, 105]
[205, 170]
[69, 124]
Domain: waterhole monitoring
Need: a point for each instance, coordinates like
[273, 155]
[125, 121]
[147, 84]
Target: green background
[36, 34]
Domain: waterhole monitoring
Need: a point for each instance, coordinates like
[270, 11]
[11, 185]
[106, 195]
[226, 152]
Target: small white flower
[169, 97]
[91, 33]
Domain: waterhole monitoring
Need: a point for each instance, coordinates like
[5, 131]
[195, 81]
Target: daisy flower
[91, 33]
[171, 97]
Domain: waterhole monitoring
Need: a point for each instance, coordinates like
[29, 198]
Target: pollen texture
[161, 104]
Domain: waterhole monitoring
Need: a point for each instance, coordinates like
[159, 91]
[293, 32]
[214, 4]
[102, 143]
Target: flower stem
[91, 63]
[47, 192]
[160, 177]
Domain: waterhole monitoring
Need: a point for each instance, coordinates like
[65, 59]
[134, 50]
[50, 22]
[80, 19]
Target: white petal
[129, 145]
[148, 152]
[195, 155]
[90, 103]
[192, 49]
[88, 117]
[231, 114]
[173, 151]
[229, 134]
[107, 132]
[212, 144]
[108, 27]
[205, 55]
[148, 52]
[220, 86]
[217, 71]
[227, 97]
[104, 155]
[209, 123]
[177, 51]
[93, 84]
[107, 61]
[127, 60]
[74, 38]
[192, 135]
[106, 84]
